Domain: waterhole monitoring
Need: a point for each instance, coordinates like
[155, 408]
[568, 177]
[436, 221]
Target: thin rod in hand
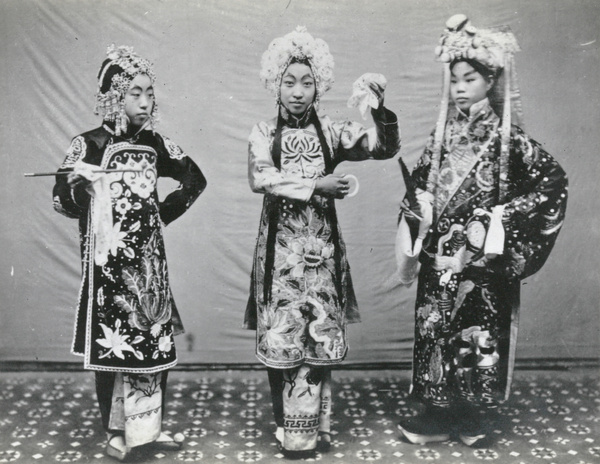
[97, 171]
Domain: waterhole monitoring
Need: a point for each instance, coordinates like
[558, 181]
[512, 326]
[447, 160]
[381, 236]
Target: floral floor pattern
[552, 417]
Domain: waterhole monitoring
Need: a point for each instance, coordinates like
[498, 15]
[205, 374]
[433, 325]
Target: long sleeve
[264, 177]
[70, 202]
[533, 215]
[353, 142]
[175, 164]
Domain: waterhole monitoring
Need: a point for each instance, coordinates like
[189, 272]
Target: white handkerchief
[102, 219]
[362, 96]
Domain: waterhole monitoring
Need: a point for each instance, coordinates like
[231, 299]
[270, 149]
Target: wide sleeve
[264, 177]
[408, 244]
[67, 201]
[534, 216]
[353, 142]
[421, 170]
[174, 163]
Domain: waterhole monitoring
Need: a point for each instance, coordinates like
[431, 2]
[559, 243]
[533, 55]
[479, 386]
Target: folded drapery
[102, 220]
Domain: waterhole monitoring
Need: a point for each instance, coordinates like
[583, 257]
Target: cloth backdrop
[207, 58]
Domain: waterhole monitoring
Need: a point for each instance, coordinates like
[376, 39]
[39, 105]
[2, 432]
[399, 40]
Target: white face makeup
[297, 88]
[467, 86]
[139, 100]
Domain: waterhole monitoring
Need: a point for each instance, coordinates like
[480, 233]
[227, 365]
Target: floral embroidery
[428, 317]
[174, 150]
[119, 239]
[75, 152]
[116, 342]
[310, 254]
[165, 343]
[123, 205]
[485, 176]
[304, 318]
[142, 183]
[148, 303]
[301, 154]
[142, 386]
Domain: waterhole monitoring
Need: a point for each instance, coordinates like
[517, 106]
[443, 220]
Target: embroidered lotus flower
[116, 342]
[309, 252]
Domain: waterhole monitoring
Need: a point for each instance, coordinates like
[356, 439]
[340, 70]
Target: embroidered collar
[109, 127]
[294, 122]
[479, 108]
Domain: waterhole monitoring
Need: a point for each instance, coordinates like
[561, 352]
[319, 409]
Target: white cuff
[407, 254]
[494, 241]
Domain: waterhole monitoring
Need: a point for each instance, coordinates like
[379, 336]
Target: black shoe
[295, 455]
[323, 442]
[115, 448]
[471, 430]
[472, 439]
[428, 427]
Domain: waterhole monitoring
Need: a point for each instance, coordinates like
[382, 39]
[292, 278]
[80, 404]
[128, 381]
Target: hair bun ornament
[457, 22]
[462, 40]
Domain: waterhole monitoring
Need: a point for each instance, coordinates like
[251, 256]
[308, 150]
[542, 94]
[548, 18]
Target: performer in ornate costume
[301, 294]
[126, 317]
[487, 205]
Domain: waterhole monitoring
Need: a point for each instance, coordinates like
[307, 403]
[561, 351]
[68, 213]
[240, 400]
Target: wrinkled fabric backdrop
[207, 59]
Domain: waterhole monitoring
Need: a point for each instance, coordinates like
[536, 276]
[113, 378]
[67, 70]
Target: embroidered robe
[126, 316]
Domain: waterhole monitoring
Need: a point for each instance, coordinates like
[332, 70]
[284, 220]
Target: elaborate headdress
[297, 45]
[493, 48]
[114, 78]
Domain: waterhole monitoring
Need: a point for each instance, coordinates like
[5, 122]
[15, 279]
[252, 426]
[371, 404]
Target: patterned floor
[553, 417]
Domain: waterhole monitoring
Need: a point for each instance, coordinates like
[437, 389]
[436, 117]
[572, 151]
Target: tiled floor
[552, 417]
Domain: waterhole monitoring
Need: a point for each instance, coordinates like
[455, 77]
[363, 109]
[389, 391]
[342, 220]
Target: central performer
[301, 293]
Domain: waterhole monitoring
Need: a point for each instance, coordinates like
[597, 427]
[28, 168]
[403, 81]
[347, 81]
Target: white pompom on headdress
[297, 45]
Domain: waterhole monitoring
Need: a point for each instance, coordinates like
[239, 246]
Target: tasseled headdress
[301, 46]
[493, 48]
[114, 78]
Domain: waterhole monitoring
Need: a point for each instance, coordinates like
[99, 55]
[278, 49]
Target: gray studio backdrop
[207, 56]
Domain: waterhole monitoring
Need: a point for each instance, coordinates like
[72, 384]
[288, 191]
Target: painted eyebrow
[137, 87]
[467, 74]
[291, 76]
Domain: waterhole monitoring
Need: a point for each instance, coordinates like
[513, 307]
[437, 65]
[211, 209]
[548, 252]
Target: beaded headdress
[114, 78]
[297, 45]
[494, 48]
